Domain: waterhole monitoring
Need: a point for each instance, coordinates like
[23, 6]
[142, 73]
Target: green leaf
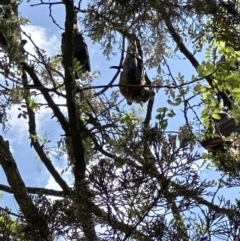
[198, 88]
[171, 113]
[178, 101]
[205, 155]
[236, 91]
[200, 68]
[162, 109]
[31, 103]
[216, 116]
[33, 92]
[205, 111]
[79, 68]
[164, 124]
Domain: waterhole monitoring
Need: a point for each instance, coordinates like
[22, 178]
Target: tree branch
[118, 225]
[176, 37]
[76, 130]
[58, 114]
[38, 148]
[35, 190]
[117, 73]
[30, 212]
[150, 104]
[76, 143]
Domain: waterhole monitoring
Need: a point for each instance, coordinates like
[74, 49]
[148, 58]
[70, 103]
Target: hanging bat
[80, 51]
[132, 78]
[225, 127]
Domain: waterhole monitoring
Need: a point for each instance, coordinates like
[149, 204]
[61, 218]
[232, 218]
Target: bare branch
[117, 73]
[38, 148]
[35, 190]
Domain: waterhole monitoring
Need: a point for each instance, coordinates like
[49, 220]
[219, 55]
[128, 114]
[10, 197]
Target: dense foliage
[138, 173]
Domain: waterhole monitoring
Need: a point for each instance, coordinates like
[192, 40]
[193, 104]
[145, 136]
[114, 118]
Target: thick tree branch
[76, 143]
[106, 219]
[76, 128]
[177, 38]
[38, 148]
[57, 112]
[181, 228]
[150, 104]
[21, 195]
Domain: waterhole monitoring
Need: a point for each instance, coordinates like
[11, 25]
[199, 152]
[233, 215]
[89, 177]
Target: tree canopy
[137, 172]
